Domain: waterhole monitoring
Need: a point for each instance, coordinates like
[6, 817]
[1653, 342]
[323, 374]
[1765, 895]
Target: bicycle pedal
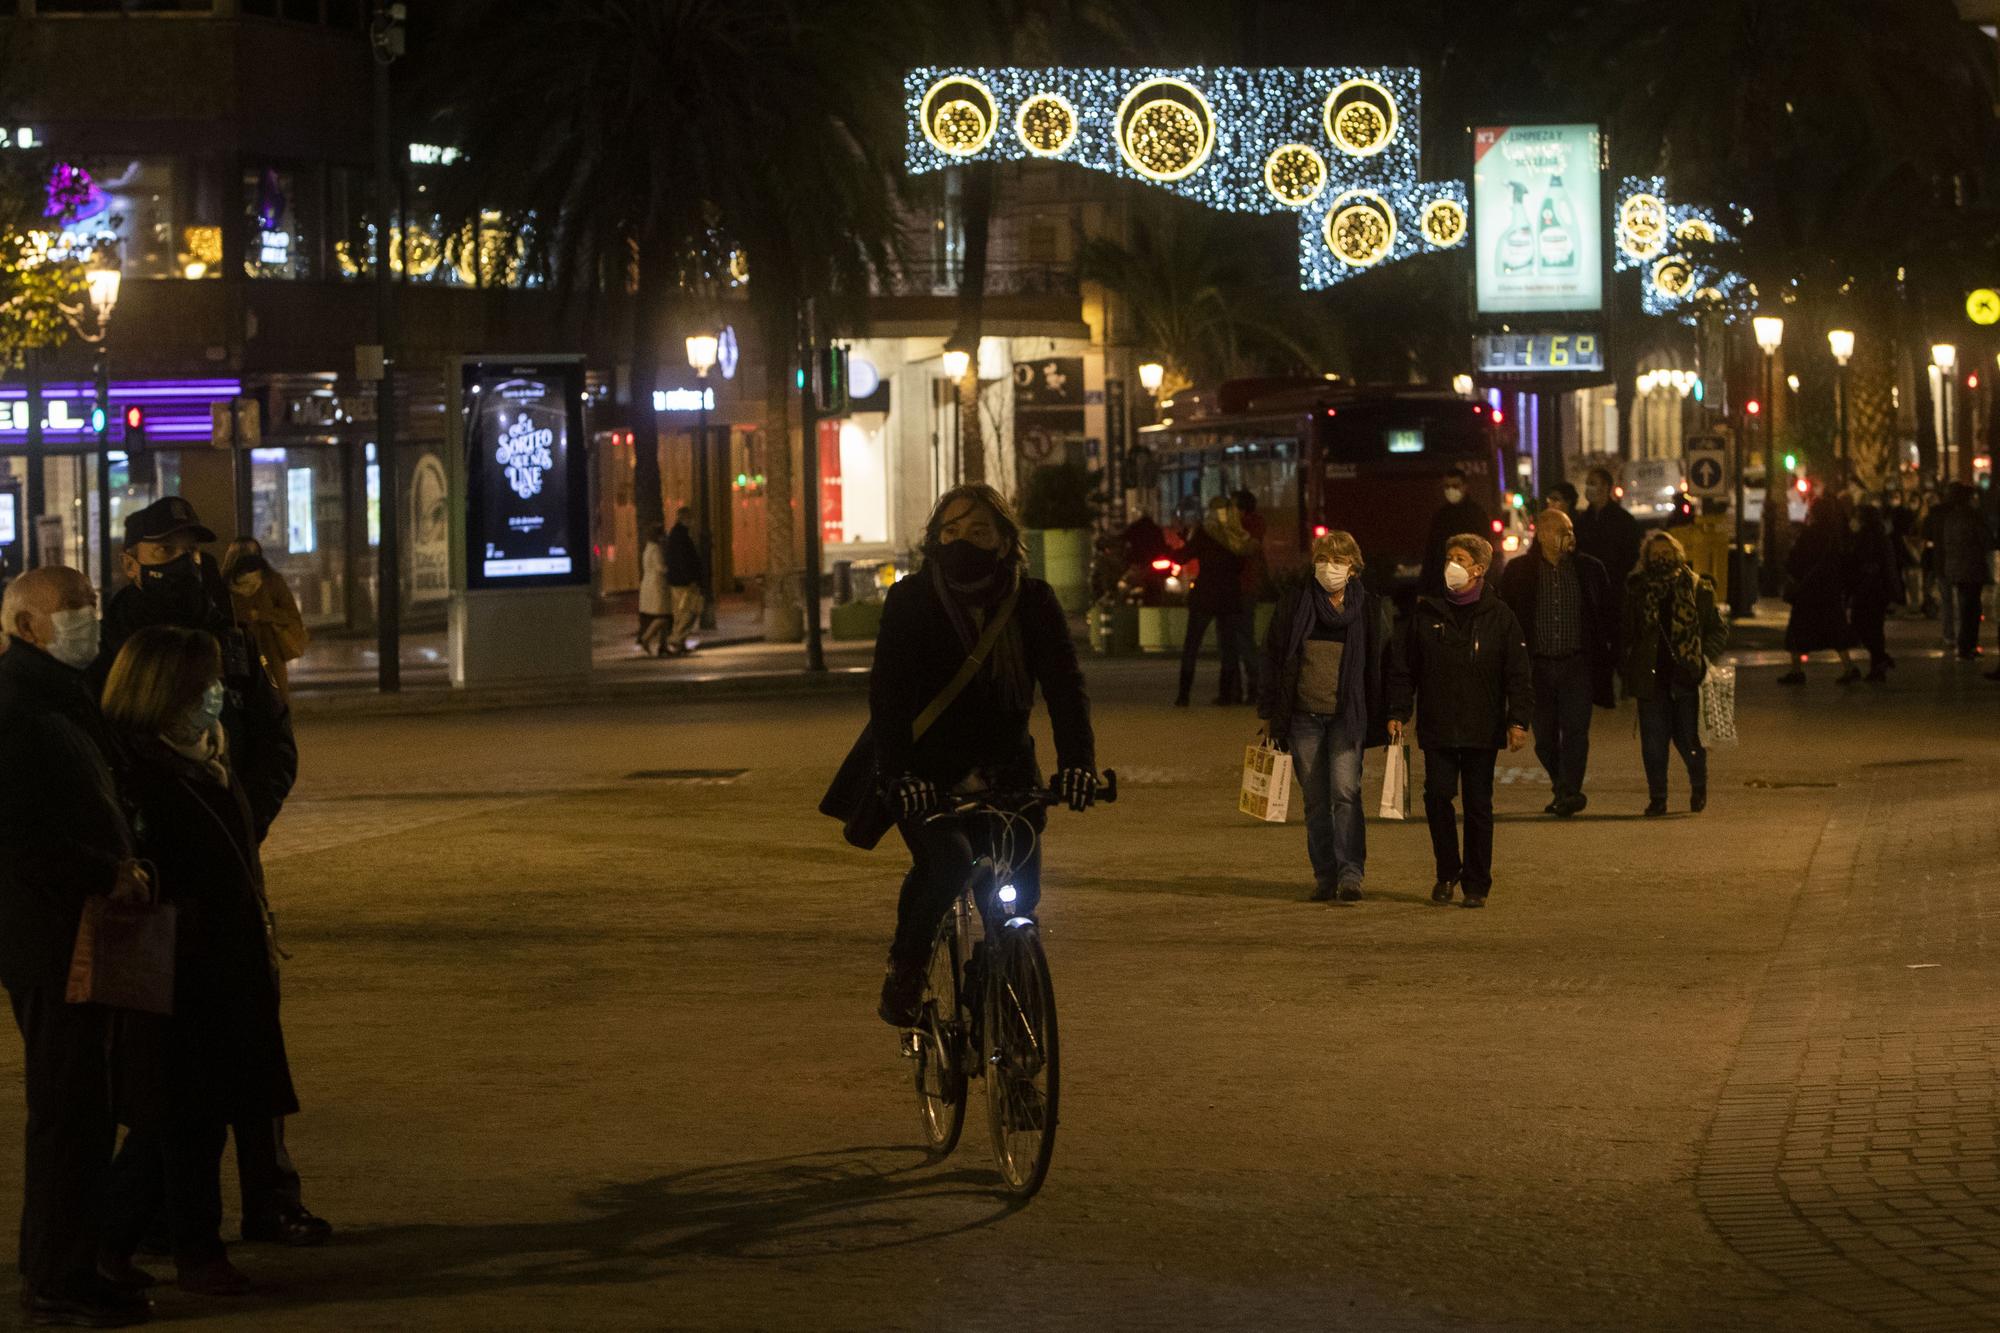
[912, 1045]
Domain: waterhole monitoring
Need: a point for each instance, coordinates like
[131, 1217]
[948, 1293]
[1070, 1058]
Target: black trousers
[1965, 599]
[1562, 721]
[1233, 645]
[172, 1167]
[1447, 772]
[264, 1168]
[1868, 618]
[71, 1131]
[942, 855]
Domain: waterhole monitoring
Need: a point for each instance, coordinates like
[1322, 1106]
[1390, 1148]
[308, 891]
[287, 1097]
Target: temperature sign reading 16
[1502, 353]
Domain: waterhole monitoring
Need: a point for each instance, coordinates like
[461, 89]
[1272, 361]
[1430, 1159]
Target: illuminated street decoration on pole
[1668, 244]
[1337, 146]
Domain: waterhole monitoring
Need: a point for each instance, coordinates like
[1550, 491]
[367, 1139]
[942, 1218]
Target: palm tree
[647, 139]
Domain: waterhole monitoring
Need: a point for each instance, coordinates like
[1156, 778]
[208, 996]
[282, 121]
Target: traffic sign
[1708, 473]
[1982, 306]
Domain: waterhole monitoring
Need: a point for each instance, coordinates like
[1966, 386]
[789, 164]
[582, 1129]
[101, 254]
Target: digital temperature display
[1530, 353]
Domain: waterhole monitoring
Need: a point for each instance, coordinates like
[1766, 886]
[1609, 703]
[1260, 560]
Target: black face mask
[174, 586]
[962, 562]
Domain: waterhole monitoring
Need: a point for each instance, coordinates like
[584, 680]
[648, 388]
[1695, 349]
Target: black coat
[63, 832]
[1278, 696]
[1520, 585]
[1218, 584]
[917, 652]
[255, 715]
[1818, 592]
[222, 1054]
[683, 557]
[1609, 534]
[1452, 520]
[1465, 671]
[1873, 573]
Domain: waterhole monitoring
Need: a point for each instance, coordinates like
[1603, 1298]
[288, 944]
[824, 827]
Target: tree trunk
[1871, 414]
[649, 317]
[784, 620]
[977, 202]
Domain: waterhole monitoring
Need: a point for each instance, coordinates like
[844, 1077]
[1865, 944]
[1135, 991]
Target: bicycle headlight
[1007, 895]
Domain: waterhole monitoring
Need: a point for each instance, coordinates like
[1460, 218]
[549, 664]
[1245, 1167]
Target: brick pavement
[1855, 1151]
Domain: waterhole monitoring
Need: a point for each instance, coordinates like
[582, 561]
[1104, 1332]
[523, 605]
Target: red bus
[1321, 454]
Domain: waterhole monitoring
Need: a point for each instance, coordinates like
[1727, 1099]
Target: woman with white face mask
[1323, 699]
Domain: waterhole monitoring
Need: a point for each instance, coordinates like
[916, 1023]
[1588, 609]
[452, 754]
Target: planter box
[855, 621]
[1161, 628]
[1062, 556]
[1114, 630]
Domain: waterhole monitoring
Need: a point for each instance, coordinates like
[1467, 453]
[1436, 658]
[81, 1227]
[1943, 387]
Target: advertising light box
[1538, 218]
[527, 480]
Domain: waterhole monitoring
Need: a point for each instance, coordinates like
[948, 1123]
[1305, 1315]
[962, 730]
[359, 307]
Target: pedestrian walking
[1256, 570]
[1606, 530]
[1561, 497]
[655, 604]
[686, 576]
[1325, 699]
[264, 607]
[1937, 590]
[64, 838]
[1874, 581]
[1563, 600]
[1672, 632]
[1462, 665]
[220, 1059]
[1219, 547]
[1965, 564]
[1459, 513]
[1816, 587]
[1904, 520]
[935, 730]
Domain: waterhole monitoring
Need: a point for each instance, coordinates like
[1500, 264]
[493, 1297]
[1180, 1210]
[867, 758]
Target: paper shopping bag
[1718, 706]
[1396, 784]
[1267, 783]
[124, 956]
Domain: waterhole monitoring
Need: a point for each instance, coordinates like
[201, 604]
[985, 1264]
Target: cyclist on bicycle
[933, 625]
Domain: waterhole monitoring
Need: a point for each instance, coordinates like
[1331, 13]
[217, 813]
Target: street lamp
[1770, 332]
[1151, 376]
[1462, 385]
[702, 349]
[1945, 357]
[957, 361]
[1841, 343]
[103, 283]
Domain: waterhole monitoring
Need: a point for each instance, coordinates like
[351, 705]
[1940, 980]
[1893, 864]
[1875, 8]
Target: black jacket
[1609, 533]
[917, 652]
[683, 557]
[1520, 585]
[1452, 520]
[222, 1054]
[254, 714]
[63, 832]
[1465, 669]
[1218, 584]
[1816, 567]
[1873, 572]
[1279, 694]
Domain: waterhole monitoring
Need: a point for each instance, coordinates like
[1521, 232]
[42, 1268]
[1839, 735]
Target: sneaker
[124, 1274]
[1323, 893]
[1656, 807]
[1571, 805]
[1441, 891]
[1553, 807]
[1351, 892]
[94, 1304]
[902, 997]
[293, 1226]
[1474, 900]
[214, 1277]
[1793, 677]
[1698, 800]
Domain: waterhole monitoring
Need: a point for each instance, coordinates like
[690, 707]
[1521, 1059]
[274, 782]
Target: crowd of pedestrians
[143, 757]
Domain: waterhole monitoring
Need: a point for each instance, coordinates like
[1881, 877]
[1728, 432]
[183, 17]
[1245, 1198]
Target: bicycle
[989, 1006]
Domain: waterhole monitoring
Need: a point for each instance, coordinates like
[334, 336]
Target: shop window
[159, 216]
[280, 233]
[52, 7]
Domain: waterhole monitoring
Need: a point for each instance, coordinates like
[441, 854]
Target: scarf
[207, 752]
[1670, 592]
[967, 606]
[1318, 611]
[1467, 595]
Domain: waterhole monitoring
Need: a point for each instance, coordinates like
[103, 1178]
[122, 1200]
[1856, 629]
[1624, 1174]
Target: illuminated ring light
[1047, 124]
[1166, 129]
[1695, 229]
[1674, 276]
[1295, 173]
[1443, 223]
[1361, 118]
[1642, 226]
[958, 116]
[414, 251]
[1709, 295]
[1361, 228]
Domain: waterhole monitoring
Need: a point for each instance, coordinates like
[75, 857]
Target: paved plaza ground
[581, 1009]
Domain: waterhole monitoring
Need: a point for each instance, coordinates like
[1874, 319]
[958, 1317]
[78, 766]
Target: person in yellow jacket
[264, 606]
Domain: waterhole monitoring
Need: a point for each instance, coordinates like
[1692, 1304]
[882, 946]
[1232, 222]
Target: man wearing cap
[171, 581]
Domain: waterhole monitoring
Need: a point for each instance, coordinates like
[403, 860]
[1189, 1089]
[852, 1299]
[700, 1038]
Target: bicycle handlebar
[1045, 797]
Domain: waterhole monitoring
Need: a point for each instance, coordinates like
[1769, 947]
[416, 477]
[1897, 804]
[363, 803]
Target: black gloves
[1078, 786]
[914, 797]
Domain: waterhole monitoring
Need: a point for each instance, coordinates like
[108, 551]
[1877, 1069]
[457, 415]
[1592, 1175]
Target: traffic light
[135, 428]
[830, 381]
[1791, 462]
[97, 419]
[1752, 408]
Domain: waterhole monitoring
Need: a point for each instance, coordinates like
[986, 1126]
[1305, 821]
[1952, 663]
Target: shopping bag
[124, 956]
[1267, 783]
[1718, 706]
[1396, 784]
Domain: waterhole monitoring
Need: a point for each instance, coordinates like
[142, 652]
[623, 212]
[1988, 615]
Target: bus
[1321, 454]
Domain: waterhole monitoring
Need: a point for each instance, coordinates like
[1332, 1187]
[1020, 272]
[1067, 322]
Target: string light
[1295, 174]
[1652, 231]
[1046, 124]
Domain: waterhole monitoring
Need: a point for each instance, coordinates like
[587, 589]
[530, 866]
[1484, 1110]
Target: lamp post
[386, 40]
[103, 283]
[957, 364]
[1770, 332]
[702, 349]
[1841, 343]
[1945, 357]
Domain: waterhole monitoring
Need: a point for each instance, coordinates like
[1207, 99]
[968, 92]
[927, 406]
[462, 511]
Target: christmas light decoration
[1295, 174]
[1665, 242]
[1046, 124]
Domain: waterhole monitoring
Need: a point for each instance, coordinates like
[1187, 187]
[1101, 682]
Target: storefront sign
[430, 530]
[684, 400]
[527, 481]
[1538, 224]
[1048, 409]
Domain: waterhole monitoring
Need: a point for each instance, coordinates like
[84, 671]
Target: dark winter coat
[1610, 534]
[1640, 637]
[221, 1057]
[255, 716]
[1872, 572]
[1818, 593]
[683, 557]
[1465, 671]
[62, 830]
[1964, 545]
[1520, 585]
[1451, 520]
[1279, 692]
[1218, 584]
[917, 652]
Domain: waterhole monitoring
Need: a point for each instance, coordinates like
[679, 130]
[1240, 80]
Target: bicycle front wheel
[1023, 1081]
[939, 1038]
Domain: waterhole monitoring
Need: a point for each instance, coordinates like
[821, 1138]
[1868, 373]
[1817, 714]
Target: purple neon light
[175, 409]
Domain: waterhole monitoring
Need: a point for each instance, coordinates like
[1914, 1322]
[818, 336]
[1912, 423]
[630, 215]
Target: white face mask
[1456, 576]
[74, 643]
[1452, 495]
[1331, 576]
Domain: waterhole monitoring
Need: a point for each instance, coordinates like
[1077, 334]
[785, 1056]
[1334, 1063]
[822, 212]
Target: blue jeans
[1327, 767]
[1672, 716]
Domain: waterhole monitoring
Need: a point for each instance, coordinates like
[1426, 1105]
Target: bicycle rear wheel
[939, 1037]
[1022, 1071]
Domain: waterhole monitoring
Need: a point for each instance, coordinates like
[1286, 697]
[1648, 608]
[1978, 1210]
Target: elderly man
[1562, 598]
[63, 838]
